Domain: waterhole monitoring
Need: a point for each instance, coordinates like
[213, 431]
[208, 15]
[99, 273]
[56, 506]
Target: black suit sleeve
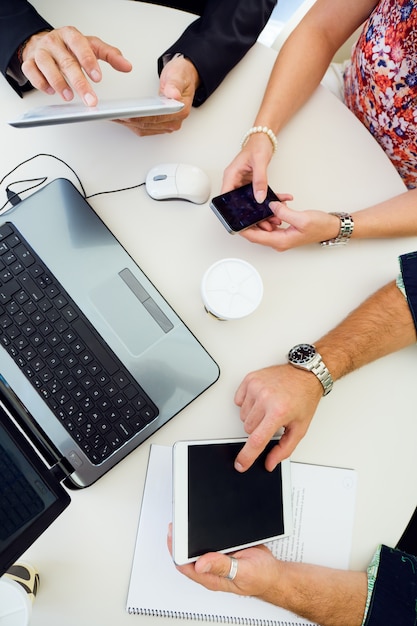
[18, 21]
[217, 41]
[214, 42]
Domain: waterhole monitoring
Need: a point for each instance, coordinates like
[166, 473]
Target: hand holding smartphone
[238, 209]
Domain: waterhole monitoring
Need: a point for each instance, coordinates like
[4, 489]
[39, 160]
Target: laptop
[93, 360]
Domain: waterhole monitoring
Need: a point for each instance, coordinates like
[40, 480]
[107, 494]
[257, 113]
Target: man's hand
[59, 61]
[315, 592]
[257, 570]
[276, 397]
[179, 80]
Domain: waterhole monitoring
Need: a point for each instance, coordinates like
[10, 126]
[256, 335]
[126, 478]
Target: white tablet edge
[65, 113]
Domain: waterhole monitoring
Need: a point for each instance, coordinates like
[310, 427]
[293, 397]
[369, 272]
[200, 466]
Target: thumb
[169, 89]
[214, 563]
[285, 214]
[259, 185]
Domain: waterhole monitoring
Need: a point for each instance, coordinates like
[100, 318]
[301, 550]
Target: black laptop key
[31, 287]
[7, 290]
[97, 347]
[5, 231]
[63, 357]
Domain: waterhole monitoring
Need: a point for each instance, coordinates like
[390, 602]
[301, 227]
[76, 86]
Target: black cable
[99, 193]
[14, 198]
[45, 154]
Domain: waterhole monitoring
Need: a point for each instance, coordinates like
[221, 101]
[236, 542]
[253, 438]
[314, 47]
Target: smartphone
[238, 209]
[216, 508]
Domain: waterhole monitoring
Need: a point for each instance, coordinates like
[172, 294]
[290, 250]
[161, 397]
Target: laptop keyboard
[63, 357]
[19, 502]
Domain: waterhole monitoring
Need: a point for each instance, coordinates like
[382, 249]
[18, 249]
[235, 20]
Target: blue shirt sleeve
[408, 264]
[394, 596]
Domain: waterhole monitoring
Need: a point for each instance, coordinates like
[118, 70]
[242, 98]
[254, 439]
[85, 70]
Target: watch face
[302, 353]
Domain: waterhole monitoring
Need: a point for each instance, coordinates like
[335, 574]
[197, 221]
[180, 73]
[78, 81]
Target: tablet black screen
[227, 508]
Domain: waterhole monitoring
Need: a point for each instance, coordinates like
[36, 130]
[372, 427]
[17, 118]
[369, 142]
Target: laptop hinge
[61, 470]
[24, 421]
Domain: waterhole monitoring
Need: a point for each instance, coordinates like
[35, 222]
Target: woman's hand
[290, 228]
[250, 165]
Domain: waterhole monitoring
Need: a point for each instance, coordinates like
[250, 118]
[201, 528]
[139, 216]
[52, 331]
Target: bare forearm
[305, 57]
[381, 325]
[396, 217]
[292, 80]
[325, 596]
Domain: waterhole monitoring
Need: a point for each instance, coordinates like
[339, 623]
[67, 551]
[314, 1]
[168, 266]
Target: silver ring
[233, 568]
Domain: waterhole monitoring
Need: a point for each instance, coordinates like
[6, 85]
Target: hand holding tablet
[216, 508]
[105, 110]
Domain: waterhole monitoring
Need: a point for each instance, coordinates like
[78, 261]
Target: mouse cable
[14, 198]
[100, 193]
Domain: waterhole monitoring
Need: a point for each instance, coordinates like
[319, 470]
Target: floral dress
[381, 82]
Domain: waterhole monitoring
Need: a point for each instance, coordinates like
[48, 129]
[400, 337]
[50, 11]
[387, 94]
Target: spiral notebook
[323, 509]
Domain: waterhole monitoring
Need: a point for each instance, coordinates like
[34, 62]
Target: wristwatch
[345, 232]
[305, 357]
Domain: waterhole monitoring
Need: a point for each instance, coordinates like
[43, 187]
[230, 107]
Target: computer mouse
[178, 181]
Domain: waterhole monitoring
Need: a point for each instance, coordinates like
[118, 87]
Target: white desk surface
[328, 161]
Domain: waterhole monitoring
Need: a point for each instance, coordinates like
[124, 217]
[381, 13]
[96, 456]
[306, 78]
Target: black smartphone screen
[238, 209]
[227, 508]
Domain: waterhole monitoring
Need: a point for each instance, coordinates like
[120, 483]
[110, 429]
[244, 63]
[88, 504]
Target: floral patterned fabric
[381, 82]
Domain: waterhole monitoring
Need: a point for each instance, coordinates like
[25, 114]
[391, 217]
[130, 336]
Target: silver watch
[305, 357]
[345, 232]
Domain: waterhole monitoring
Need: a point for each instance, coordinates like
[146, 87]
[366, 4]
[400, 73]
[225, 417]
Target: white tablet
[66, 113]
[216, 508]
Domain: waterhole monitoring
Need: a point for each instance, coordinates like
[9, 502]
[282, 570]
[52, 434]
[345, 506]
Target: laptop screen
[30, 496]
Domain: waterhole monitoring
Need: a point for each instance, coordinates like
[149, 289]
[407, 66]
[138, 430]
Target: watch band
[345, 232]
[324, 376]
[306, 357]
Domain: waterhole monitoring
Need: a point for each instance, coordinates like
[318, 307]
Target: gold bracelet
[260, 129]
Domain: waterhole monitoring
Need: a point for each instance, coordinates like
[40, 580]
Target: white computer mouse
[178, 180]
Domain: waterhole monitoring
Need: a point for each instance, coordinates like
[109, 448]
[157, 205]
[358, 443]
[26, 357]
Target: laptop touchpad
[131, 312]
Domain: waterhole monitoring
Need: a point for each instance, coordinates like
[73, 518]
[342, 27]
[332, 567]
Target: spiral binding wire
[213, 618]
